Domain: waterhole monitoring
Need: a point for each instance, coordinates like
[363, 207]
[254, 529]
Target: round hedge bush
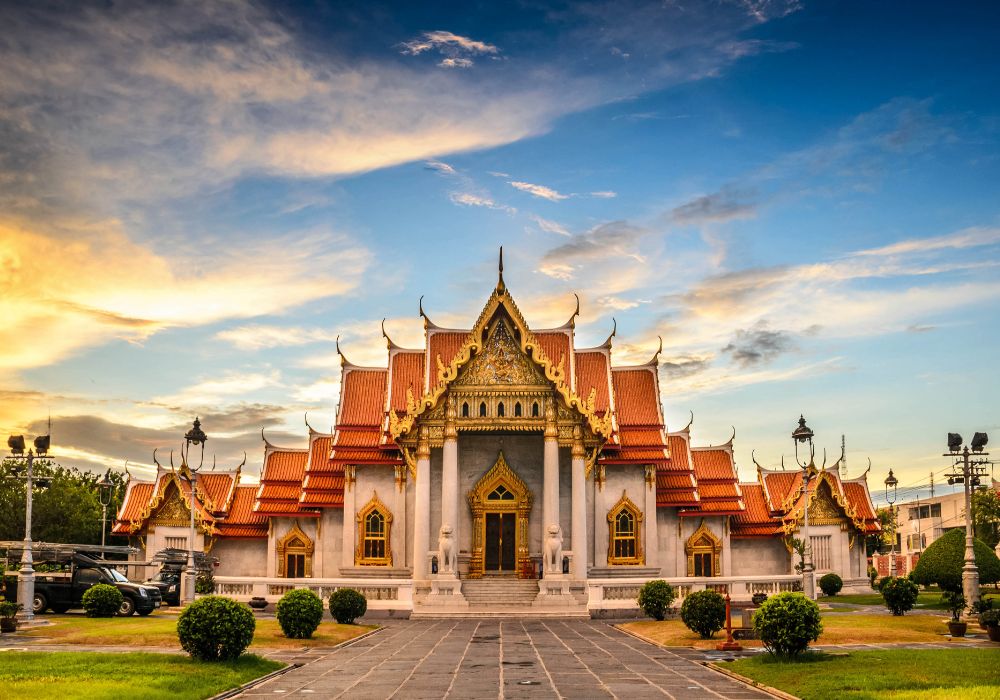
[656, 597]
[102, 600]
[786, 623]
[899, 594]
[215, 628]
[704, 612]
[831, 584]
[942, 562]
[347, 605]
[299, 613]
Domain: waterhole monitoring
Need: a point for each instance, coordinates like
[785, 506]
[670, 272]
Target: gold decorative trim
[791, 524]
[703, 541]
[295, 541]
[529, 345]
[374, 504]
[625, 504]
[499, 474]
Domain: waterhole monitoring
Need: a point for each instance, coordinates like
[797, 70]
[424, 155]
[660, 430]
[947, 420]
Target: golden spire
[500, 285]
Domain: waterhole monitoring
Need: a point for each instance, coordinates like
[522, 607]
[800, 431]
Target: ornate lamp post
[196, 436]
[891, 482]
[26, 462]
[804, 434]
[104, 487]
[972, 469]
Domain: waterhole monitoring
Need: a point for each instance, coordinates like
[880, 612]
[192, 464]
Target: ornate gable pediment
[172, 509]
[500, 362]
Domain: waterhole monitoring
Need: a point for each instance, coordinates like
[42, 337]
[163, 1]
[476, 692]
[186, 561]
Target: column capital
[578, 451]
[551, 429]
[450, 415]
[423, 443]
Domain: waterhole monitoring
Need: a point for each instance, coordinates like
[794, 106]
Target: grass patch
[837, 629]
[900, 674]
[157, 631]
[99, 676]
[927, 600]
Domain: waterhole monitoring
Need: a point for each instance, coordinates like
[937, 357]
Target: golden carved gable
[500, 362]
[172, 511]
[823, 510]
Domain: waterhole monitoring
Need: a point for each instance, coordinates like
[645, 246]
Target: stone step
[507, 613]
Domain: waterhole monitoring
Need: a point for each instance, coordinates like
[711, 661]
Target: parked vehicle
[174, 563]
[64, 590]
[168, 582]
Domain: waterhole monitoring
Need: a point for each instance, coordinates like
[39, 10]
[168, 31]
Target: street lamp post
[973, 467]
[195, 436]
[26, 574]
[891, 482]
[803, 434]
[104, 487]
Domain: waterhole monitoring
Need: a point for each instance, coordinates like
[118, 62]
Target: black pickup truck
[61, 591]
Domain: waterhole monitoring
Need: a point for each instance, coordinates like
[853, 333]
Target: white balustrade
[381, 594]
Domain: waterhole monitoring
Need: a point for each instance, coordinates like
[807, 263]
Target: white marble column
[422, 507]
[550, 476]
[399, 518]
[579, 495]
[651, 540]
[449, 486]
[350, 512]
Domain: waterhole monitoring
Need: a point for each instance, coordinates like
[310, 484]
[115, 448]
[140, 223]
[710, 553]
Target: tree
[68, 511]
[986, 515]
[942, 562]
[882, 540]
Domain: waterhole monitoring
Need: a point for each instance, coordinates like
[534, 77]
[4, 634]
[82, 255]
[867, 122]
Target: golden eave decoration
[555, 373]
[794, 514]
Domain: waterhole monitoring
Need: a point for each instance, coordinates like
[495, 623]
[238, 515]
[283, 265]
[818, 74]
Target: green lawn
[161, 631]
[927, 600]
[899, 674]
[96, 676]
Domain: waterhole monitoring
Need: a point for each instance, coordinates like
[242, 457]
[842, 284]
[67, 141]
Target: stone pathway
[511, 658]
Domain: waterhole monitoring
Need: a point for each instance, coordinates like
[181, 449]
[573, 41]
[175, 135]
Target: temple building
[504, 458]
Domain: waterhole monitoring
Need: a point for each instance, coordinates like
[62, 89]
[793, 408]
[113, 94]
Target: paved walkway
[512, 658]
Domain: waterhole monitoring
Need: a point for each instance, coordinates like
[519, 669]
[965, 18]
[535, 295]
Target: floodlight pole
[803, 434]
[970, 573]
[26, 575]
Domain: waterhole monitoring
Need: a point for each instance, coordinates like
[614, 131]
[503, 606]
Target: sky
[800, 198]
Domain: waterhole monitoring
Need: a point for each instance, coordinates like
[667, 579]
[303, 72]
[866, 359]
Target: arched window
[482, 409]
[703, 551]
[625, 533]
[517, 410]
[500, 409]
[373, 524]
[295, 552]
[465, 409]
[534, 410]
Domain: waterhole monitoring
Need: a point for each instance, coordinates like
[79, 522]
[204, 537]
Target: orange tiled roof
[446, 344]
[592, 373]
[756, 520]
[362, 397]
[241, 521]
[281, 482]
[636, 396]
[787, 498]
[715, 472]
[407, 373]
[555, 345]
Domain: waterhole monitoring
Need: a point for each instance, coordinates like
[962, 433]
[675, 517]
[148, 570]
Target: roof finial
[687, 427]
[614, 331]
[500, 285]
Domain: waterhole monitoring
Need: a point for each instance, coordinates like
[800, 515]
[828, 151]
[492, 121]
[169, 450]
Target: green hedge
[656, 597]
[102, 600]
[942, 562]
[704, 612]
[831, 584]
[900, 594]
[299, 613]
[215, 628]
[347, 605]
[787, 623]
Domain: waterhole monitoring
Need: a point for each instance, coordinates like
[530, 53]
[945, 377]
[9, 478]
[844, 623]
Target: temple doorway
[501, 543]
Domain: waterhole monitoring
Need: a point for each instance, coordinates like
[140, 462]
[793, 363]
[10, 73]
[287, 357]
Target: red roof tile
[592, 373]
[407, 373]
[446, 344]
[555, 345]
[756, 520]
[713, 464]
[362, 397]
[636, 396]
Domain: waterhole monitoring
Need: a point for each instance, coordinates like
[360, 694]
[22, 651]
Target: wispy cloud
[550, 226]
[540, 191]
[610, 240]
[471, 199]
[758, 345]
[725, 205]
[456, 63]
[447, 42]
[257, 336]
[604, 194]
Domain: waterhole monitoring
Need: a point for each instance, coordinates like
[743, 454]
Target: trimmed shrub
[347, 605]
[786, 623]
[831, 584]
[704, 612]
[942, 562]
[656, 597]
[299, 613]
[899, 594]
[990, 618]
[881, 583]
[102, 600]
[215, 628]
[204, 584]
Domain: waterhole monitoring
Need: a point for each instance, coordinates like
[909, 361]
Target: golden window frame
[373, 505]
[704, 541]
[295, 541]
[625, 504]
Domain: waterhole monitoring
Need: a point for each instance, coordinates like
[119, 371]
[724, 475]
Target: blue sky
[799, 197]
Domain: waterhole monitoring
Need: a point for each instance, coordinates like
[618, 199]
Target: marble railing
[621, 593]
[381, 594]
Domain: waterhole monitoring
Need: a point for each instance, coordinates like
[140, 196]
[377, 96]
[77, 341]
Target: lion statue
[553, 550]
[446, 549]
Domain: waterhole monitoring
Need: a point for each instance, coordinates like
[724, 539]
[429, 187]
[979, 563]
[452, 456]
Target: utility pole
[932, 484]
[843, 460]
[972, 470]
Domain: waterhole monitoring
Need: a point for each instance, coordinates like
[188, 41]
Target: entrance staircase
[502, 596]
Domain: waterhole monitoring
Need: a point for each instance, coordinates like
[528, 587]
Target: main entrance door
[501, 540]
